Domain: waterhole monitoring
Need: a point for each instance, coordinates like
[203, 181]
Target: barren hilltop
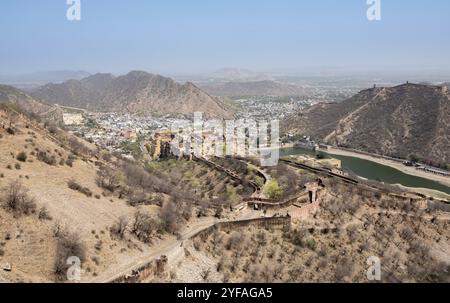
[136, 92]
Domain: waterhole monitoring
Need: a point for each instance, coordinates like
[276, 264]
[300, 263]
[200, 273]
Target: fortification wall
[263, 204]
[283, 223]
[157, 268]
[154, 268]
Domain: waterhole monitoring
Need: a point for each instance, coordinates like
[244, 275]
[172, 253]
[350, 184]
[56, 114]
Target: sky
[197, 36]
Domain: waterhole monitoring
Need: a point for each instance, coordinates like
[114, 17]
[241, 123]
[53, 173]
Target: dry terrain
[62, 197]
[136, 92]
[331, 246]
[409, 120]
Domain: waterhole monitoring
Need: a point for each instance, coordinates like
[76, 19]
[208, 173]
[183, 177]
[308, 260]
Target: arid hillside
[12, 95]
[62, 197]
[43, 215]
[136, 92]
[330, 245]
[399, 121]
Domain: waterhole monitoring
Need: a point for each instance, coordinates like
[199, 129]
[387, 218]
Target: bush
[108, 179]
[169, 218]
[119, 228]
[70, 160]
[72, 184]
[68, 245]
[44, 157]
[22, 157]
[17, 200]
[44, 214]
[53, 129]
[17, 166]
[311, 244]
[11, 131]
[78, 148]
[273, 190]
[234, 241]
[143, 226]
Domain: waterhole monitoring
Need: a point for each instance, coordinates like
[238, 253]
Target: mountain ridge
[135, 92]
[15, 96]
[400, 121]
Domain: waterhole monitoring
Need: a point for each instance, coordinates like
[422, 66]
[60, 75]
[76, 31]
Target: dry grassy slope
[138, 92]
[393, 121]
[9, 94]
[397, 237]
[49, 184]
[31, 249]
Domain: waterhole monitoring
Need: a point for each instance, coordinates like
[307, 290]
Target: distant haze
[194, 37]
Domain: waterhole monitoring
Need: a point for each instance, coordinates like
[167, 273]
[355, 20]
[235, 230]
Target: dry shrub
[234, 241]
[119, 228]
[68, 245]
[77, 147]
[108, 178]
[16, 199]
[44, 214]
[144, 226]
[46, 158]
[72, 184]
[70, 160]
[169, 217]
[22, 157]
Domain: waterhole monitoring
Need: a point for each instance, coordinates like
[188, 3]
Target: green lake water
[374, 171]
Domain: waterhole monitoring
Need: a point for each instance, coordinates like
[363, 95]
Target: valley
[104, 187]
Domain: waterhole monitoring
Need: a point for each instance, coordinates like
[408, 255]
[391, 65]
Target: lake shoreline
[393, 164]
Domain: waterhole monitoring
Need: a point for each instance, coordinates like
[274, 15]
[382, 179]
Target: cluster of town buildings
[114, 131]
[267, 108]
[111, 130]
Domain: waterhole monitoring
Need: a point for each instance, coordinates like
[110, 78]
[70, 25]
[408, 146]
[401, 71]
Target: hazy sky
[189, 36]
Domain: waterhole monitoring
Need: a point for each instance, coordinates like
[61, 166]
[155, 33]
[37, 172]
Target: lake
[373, 171]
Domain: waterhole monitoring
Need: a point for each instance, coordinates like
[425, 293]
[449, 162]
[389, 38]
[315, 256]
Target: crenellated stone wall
[283, 223]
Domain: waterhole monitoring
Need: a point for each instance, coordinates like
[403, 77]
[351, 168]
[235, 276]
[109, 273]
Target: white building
[72, 119]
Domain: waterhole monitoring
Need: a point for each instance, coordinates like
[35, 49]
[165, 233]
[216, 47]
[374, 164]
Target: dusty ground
[31, 244]
[28, 244]
[332, 246]
[31, 247]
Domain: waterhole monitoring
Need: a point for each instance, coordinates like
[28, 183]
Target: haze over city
[189, 37]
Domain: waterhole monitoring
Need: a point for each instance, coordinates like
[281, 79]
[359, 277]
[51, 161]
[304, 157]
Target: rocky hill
[397, 121]
[12, 95]
[254, 88]
[136, 92]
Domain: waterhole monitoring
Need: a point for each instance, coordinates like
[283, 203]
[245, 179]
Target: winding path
[167, 247]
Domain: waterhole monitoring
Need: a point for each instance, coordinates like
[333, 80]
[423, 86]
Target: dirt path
[163, 248]
[169, 247]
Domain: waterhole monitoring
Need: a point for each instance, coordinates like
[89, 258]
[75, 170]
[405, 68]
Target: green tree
[413, 158]
[273, 190]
